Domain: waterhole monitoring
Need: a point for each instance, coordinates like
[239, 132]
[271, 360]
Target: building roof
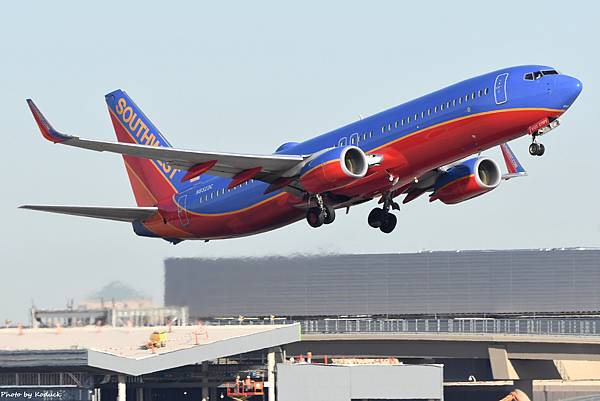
[123, 349]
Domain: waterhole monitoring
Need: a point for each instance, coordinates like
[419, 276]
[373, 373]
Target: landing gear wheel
[534, 149]
[541, 149]
[388, 223]
[315, 217]
[329, 214]
[375, 217]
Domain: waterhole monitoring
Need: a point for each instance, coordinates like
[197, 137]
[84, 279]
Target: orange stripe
[320, 165]
[466, 177]
[234, 211]
[459, 119]
[153, 197]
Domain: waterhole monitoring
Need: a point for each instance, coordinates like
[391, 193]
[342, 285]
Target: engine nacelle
[334, 169]
[467, 180]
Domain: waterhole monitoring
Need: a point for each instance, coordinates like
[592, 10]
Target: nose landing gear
[382, 218]
[536, 149]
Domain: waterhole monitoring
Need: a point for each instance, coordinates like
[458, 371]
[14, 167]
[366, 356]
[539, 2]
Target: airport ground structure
[431, 325]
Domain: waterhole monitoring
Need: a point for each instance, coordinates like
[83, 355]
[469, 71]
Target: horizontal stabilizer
[128, 214]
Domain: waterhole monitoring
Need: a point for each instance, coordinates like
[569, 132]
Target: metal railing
[571, 326]
[532, 326]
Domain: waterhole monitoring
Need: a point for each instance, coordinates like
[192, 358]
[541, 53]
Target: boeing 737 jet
[428, 145]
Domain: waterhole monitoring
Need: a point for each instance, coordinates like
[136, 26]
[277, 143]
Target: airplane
[431, 144]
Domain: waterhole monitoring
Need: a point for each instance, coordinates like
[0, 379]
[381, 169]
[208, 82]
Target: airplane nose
[569, 89]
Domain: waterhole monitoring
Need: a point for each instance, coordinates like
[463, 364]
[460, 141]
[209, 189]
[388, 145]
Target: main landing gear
[382, 218]
[321, 214]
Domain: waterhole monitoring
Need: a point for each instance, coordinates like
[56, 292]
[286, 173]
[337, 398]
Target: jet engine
[467, 180]
[333, 169]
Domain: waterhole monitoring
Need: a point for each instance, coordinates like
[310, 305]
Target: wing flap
[127, 214]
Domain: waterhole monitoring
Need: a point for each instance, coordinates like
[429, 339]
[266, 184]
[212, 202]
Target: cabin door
[184, 219]
[500, 88]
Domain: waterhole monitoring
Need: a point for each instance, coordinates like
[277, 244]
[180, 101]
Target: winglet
[47, 130]
[514, 167]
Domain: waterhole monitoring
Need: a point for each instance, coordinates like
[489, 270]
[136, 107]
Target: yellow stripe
[320, 165]
[454, 181]
[236, 211]
[462, 118]
[135, 141]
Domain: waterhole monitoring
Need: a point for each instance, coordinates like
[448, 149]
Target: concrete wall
[304, 382]
[418, 283]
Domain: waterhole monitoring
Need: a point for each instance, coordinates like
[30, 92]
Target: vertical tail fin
[151, 180]
[513, 166]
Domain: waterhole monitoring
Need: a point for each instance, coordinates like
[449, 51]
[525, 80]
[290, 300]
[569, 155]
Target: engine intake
[467, 180]
[334, 169]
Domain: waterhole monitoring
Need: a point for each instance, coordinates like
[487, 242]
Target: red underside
[459, 190]
[405, 159]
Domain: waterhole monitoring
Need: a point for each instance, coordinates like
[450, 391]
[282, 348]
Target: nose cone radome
[569, 89]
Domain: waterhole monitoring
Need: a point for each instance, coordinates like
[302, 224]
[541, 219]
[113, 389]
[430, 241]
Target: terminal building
[459, 283]
[468, 325]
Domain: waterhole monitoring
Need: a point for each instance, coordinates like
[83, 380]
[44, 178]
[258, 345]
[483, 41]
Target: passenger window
[408, 120]
[416, 117]
[396, 124]
[485, 91]
[364, 137]
[428, 112]
[473, 95]
[402, 122]
[453, 102]
[479, 93]
[389, 126]
[383, 129]
[442, 107]
[422, 114]
[435, 109]
[460, 100]
[448, 104]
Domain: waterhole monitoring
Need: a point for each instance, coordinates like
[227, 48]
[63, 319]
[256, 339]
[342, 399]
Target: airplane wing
[271, 167]
[127, 214]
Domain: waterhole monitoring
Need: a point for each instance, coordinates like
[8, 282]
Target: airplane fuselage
[413, 138]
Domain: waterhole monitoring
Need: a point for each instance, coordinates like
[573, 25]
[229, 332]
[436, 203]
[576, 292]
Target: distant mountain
[117, 291]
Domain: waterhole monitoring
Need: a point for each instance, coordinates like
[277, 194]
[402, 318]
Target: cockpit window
[535, 75]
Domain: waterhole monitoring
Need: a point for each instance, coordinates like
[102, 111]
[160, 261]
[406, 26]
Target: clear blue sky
[248, 76]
